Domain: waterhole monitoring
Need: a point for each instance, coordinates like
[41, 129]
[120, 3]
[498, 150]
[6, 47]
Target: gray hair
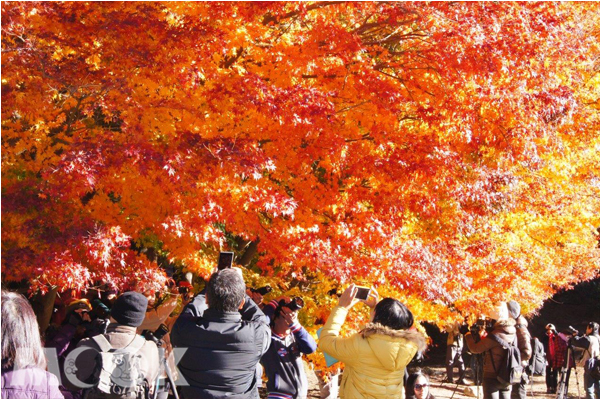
[225, 290]
[21, 342]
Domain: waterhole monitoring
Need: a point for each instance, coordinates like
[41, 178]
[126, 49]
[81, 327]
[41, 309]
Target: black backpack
[537, 362]
[592, 367]
[510, 371]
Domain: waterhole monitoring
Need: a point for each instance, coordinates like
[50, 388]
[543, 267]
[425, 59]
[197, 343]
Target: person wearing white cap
[494, 353]
[555, 350]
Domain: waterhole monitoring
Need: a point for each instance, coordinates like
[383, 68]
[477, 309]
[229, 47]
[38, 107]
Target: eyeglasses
[419, 387]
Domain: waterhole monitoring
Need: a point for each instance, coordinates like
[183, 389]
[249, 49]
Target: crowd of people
[490, 343]
[225, 341]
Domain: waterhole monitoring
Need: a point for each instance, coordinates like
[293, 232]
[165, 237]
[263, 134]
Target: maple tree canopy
[446, 153]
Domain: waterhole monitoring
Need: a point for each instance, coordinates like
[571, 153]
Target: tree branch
[268, 18]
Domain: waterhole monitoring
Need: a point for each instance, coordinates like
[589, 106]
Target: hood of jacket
[522, 322]
[505, 329]
[389, 346]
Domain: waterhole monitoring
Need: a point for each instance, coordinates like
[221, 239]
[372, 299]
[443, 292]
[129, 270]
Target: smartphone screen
[362, 293]
[225, 260]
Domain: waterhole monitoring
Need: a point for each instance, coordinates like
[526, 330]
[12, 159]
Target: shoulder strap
[495, 339]
[503, 342]
[103, 343]
[498, 340]
[135, 345]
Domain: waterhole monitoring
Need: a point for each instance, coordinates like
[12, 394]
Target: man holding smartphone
[225, 334]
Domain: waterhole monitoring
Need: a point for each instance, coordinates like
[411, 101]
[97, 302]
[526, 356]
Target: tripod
[529, 372]
[477, 367]
[170, 380]
[478, 372]
[565, 373]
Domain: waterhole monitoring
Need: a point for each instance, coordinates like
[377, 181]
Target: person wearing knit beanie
[493, 352]
[130, 309]
[127, 314]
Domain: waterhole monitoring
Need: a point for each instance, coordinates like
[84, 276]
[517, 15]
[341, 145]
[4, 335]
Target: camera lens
[264, 290]
[296, 304]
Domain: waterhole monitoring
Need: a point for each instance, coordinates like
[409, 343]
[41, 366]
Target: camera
[157, 335]
[295, 304]
[572, 331]
[482, 323]
[263, 290]
[183, 290]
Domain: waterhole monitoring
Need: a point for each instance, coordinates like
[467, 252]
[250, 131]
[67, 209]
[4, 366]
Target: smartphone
[225, 260]
[362, 293]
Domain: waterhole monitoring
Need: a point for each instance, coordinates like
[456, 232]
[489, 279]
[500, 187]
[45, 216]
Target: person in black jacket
[590, 343]
[283, 361]
[225, 334]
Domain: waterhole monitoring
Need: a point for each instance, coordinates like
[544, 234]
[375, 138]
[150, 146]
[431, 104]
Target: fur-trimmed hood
[392, 349]
[410, 334]
[375, 357]
[506, 325]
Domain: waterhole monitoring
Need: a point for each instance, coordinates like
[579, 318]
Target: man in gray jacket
[225, 335]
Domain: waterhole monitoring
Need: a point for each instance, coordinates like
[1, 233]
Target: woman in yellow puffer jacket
[375, 357]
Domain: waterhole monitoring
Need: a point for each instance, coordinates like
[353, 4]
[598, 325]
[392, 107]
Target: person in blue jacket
[289, 340]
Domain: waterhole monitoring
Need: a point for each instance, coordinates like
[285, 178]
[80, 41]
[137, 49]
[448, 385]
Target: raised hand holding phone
[347, 299]
[225, 260]
[373, 298]
[362, 293]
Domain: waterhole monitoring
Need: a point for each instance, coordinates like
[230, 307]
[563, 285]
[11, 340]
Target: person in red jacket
[555, 346]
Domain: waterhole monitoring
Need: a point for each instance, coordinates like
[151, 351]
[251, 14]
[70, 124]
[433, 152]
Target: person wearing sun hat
[78, 305]
[519, 390]
[494, 353]
[127, 314]
[73, 328]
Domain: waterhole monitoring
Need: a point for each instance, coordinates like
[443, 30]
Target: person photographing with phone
[225, 334]
[376, 357]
